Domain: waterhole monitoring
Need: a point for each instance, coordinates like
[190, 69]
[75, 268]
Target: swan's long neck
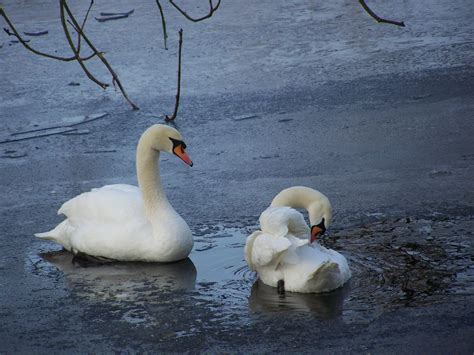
[317, 205]
[149, 181]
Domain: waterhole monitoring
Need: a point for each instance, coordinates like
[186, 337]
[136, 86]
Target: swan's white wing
[248, 249]
[313, 268]
[280, 221]
[268, 246]
[264, 253]
[108, 221]
[267, 250]
[106, 204]
[341, 261]
[292, 254]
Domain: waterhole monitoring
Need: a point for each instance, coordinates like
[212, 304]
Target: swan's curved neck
[149, 181]
[317, 205]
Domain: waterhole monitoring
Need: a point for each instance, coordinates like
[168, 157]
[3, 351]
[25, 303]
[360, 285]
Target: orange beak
[181, 153]
[315, 232]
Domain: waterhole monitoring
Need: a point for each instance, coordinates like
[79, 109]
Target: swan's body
[127, 223]
[282, 252]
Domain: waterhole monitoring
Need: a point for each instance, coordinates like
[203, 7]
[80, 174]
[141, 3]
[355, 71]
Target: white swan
[128, 223]
[284, 252]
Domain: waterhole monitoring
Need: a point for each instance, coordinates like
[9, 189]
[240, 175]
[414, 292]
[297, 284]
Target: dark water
[395, 263]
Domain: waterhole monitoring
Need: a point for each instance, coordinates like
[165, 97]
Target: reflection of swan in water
[124, 280]
[326, 305]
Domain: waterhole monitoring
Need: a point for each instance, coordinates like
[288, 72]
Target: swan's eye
[317, 230]
[177, 142]
[322, 226]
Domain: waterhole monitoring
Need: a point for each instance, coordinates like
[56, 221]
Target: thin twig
[35, 34]
[85, 119]
[98, 53]
[117, 13]
[13, 32]
[163, 24]
[178, 90]
[212, 9]
[73, 47]
[113, 16]
[379, 19]
[83, 25]
[46, 134]
[109, 18]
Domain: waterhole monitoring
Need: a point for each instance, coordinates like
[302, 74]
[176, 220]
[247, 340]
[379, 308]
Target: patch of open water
[395, 263]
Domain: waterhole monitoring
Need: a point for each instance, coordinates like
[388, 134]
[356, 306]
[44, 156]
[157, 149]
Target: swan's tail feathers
[57, 235]
[326, 277]
[46, 235]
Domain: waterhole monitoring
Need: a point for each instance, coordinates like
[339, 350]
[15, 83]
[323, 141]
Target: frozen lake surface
[274, 94]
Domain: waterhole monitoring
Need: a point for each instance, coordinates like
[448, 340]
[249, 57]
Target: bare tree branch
[13, 32]
[178, 90]
[76, 50]
[83, 25]
[212, 9]
[163, 23]
[377, 18]
[98, 53]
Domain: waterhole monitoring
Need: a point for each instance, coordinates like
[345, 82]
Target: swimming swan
[129, 223]
[284, 252]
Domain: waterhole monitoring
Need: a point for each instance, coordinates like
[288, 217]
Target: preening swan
[285, 253]
[125, 222]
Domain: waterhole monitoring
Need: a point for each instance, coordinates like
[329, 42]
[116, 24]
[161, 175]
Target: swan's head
[167, 139]
[320, 216]
[318, 207]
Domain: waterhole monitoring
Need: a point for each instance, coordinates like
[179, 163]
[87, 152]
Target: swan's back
[105, 205]
[266, 247]
[280, 221]
[102, 221]
[276, 223]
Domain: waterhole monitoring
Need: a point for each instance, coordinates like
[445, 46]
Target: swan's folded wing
[326, 277]
[292, 254]
[249, 247]
[267, 250]
[281, 221]
[108, 203]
